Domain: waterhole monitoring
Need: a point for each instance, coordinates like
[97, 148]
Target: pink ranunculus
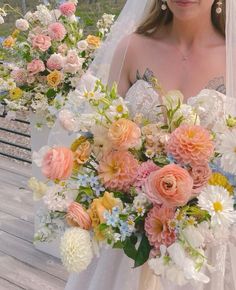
[124, 134]
[41, 42]
[118, 170]
[144, 171]
[35, 66]
[190, 144]
[57, 31]
[156, 227]
[55, 62]
[200, 175]
[78, 217]
[58, 163]
[73, 63]
[67, 8]
[170, 185]
[19, 75]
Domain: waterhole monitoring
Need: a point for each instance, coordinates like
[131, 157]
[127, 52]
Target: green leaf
[143, 252]
[51, 93]
[102, 227]
[118, 245]
[129, 249]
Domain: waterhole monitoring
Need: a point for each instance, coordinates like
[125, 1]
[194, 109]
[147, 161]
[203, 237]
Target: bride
[182, 43]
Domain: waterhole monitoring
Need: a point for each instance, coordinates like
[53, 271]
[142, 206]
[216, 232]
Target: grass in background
[89, 10]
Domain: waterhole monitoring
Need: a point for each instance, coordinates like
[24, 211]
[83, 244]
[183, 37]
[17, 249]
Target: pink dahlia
[200, 175]
[156, 227]
[190, 144]
[57, 31]
[67, 8]
[118, 170]
[144, 171]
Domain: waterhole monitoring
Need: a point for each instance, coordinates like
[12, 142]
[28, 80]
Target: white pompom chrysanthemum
[76, 250]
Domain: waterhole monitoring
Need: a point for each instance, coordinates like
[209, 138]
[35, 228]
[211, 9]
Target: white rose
[68, 120]
[82, 45]
[22, 24]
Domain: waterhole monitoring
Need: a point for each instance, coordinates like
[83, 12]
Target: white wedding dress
[113, 270]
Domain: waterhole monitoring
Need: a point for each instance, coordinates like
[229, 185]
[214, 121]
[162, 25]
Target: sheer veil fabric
[113, 271]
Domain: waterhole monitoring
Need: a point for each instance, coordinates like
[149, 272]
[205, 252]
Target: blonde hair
[157, 17]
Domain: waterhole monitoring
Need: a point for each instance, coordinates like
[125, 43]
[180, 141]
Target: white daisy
[118, 108]
[228, 151]
[220, 205]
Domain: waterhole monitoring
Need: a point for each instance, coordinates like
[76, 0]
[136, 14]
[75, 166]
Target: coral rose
[78, 217]
[170, 185]
[58, 163]
[41, 42]
[156, 227]
[190, 144]
[118, 170]
[57, 31]
[67, 8]
[124, 134]
[200, 175]
[35, 66]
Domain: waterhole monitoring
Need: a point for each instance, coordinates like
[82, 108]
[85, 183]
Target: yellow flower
[220, 180]
[97, 209]
[74, 146]
[54, 78]
[16, 94]
[93, 41]
[8, 42]
[15, 33]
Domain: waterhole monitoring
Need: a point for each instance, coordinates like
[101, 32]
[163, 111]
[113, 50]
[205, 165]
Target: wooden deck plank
[6, 285]
[7, 177]
[27, 277]
[24, 251]
[16, 227]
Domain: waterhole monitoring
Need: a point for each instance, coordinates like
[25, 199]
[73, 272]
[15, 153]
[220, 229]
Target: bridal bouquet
[163, 192]
[48, 53]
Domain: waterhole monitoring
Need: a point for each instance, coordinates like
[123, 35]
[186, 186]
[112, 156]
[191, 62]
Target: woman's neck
[192, 33]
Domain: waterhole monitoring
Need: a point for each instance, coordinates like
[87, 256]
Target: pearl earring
[219, 7]
[163, 6]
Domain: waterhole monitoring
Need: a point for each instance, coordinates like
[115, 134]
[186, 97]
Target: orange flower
[58, 163]
[124, 134]
[83, 152]
[97, 209]
[118, 170]
[93, 41]
[190, 145]
[170, 185]
[54, 78]
[8, 42]
[78, 217]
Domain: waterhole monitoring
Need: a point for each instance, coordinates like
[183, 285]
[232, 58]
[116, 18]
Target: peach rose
[8, 42]
[78, 217]
[58, 163]
[124, 134]
[200, 175]
[35, 66]
[83, 152]
[41, 42]
[93, 41]
[170, 185]
[54, 78]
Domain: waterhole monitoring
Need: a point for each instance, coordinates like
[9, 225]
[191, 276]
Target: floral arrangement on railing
[49, 53]
[162, 192]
